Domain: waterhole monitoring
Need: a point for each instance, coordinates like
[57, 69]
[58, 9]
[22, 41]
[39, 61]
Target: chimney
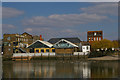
[41, 37]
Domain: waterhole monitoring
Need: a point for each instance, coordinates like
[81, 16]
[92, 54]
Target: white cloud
[64, 20]
[7, 27]
[102, 8]
[28, 30]
[48, 33]
[10, 12]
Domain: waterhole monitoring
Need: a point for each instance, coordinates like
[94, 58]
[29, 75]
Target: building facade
[94, 36]
[65, 46]
[40, 46]
[85, 46]
[17, 43]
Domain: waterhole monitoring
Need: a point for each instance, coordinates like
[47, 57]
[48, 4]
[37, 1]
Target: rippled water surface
[61, 69]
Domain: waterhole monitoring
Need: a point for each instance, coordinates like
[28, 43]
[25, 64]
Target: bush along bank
[102, 53]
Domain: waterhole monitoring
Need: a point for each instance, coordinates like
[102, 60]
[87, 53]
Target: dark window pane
[47, 50]
[53, 50]
[37, 51]
[42, 50]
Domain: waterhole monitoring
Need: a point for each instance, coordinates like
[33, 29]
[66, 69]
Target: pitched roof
[38, 44]
[85, 43]
[67, 42]
[73, 40]
[26, 33]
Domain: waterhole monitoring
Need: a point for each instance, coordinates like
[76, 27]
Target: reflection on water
[60, 69]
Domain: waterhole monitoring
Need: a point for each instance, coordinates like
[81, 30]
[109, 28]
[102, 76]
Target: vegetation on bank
[103, 44]
[102, 53]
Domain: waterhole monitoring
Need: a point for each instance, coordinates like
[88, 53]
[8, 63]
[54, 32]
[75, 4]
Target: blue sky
[62, 19]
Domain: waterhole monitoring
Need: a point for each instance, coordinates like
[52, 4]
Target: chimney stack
[41, 37]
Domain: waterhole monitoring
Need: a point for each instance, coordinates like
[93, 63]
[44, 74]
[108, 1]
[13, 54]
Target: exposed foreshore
[114, 57]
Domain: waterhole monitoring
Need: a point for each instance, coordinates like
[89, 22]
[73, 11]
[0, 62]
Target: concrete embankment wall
[32, 54]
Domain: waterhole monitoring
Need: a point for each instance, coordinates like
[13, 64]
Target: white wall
[80, 53]
[84, 48]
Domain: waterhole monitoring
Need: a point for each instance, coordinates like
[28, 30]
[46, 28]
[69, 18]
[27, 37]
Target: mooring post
[78, 55]
[48, 56]
[84, 55]
[41, 56]
[21, 57]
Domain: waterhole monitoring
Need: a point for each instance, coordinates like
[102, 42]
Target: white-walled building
[85, 46]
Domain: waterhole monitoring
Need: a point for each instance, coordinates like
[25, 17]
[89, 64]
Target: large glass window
[53, 50]
[37, 51]
[42, 50]
[47, 50]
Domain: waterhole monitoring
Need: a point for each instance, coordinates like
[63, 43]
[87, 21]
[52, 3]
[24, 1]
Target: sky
[60, 19]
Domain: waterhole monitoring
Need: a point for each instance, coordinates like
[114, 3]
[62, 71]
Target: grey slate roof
[73, 40]
[85, 43]
[38, 44]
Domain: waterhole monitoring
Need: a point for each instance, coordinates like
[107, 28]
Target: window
[9, 49]
[83, 47]
[89, 38]
[87, 47]
[18, 39]
[15, 43]
[99, 38]
[8, 38]
[6, 43]
[94, 39]
[53, 50]
[42, 50]
[47, 50]
[9, 44]
[37, 51]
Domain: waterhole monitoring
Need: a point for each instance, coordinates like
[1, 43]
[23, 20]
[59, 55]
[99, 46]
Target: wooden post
[63, 57]
[28, 58]
[70, 56]
[78, 55]
[41, 56]
[84, 55]
[21, 57]
[48, 56]
[14, 58]
[55, 56]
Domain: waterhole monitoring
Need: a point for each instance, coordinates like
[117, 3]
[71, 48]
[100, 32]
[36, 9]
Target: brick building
[15, 43]
[94, 36]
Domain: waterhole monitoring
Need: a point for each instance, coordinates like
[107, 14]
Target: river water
[61, 69]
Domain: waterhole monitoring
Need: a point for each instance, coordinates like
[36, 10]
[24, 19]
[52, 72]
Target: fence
[80, 53]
